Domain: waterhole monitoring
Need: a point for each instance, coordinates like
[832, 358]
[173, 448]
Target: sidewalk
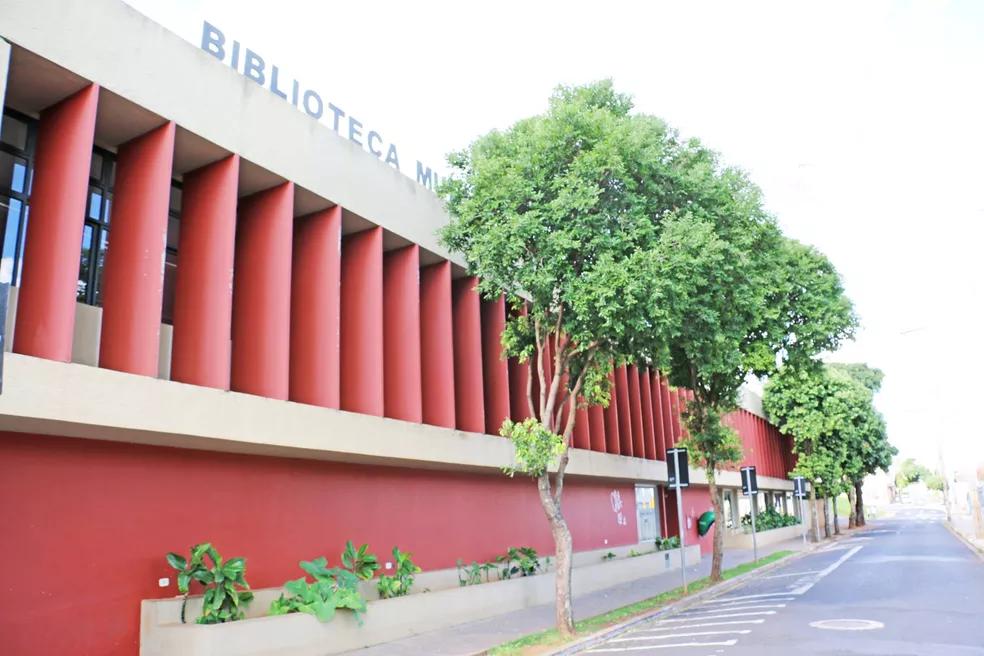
[474, 637]
[964, 525]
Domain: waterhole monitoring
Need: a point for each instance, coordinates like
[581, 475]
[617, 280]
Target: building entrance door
[647, 514]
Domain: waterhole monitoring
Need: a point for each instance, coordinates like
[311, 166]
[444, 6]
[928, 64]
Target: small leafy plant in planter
[400, 583]
[523, 561]
[333, 588]
[665, 544]
[359, 561]
[472, 574]
[226, 594]
[608, 556]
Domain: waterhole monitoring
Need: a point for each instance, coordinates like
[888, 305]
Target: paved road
[915, 588]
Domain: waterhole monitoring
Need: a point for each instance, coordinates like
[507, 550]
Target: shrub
[608, 556]
[665, 544]
[359, 561]
[523, 561]
[226, 593]
[400, 583]
[768, 519]
[332, 588]
[472, 574]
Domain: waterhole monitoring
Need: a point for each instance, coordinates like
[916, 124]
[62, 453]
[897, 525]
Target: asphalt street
[904, 586]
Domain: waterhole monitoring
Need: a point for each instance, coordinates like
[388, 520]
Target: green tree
[560, 213]
[838, 436]
[737, 299]
[910, 472]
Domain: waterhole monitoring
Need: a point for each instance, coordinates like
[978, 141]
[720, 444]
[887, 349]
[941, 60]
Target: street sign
[749, 481]
[799, 487]
[676, 461]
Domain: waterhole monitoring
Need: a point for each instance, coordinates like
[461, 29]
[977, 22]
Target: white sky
[861, 121]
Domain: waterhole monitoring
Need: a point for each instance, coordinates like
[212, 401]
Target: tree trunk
[717, 554]
[859, 509]
[852, 513]
[811, 516]
[837, 530]
[563, 547]
[826, 518]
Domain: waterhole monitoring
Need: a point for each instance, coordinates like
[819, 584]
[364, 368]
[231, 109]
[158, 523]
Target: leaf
[177, 562]
[183, 579]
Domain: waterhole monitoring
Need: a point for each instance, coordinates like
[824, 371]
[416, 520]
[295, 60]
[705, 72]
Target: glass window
[16, 151]
[171, 254]
[14, 132]
[96, 231]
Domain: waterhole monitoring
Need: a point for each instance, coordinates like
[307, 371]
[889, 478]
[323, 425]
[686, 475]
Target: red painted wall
[77, 590]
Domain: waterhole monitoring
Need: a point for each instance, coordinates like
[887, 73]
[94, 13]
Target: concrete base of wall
[161, 634]
[763, 538]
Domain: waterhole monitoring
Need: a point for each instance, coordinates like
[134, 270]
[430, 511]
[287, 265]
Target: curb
[691, 600]
[977, 551]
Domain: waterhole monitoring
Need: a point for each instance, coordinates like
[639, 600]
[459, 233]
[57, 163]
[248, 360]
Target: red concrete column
[200, 345]
[658, 432]
[495, 367]
[437, 345]
[612, 439]
[362, 322]
[133, 279]
[624, 411]
[468, 385]
[46, 303]
[582, 430]
[635, 412]
[646, 394]
[315, 307]
[261, 293]
[664, 392]
[675, 415]
[596, 423]
[519, 378]
[402, 398]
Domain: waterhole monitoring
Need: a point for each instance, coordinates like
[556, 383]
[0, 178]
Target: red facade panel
[437, 345]
[261, 294]
[624, 412]
[582, 430]
[315, 309]
[468, 385]
[648, 426]
[133, 279]
[402, 397]
[200, 347]
[362, 322]
[667, 409]
[612, 441]
[46, 303]
[635, 412]
[596, 422]
[495, 368]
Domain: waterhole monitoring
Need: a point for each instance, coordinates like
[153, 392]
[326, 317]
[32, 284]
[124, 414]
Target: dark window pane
[10, 212]
[173, 232]
[84, 263]
[175, 205]
[13, 132]
[96, 167]
[100, 261]
[112, 173]
[170, 280]
[95, 205]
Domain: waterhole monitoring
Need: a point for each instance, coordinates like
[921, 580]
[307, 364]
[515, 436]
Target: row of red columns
[287, 308]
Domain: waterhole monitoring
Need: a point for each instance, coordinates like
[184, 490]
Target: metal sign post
[749, 487]
[678, 477]
[799, 491]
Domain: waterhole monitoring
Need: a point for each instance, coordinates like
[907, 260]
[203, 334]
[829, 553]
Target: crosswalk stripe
[726, 643]
[691, 634]
[700, 626]
[715, 617]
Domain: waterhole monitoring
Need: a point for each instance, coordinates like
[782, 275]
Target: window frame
[24, 196]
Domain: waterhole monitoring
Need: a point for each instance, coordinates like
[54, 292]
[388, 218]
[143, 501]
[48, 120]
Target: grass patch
[536, 643]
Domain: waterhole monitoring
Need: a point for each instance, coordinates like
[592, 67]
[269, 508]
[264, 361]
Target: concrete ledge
[763, 538]
[386, 620]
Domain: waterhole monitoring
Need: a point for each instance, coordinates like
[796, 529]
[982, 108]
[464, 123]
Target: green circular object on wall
[704, 523]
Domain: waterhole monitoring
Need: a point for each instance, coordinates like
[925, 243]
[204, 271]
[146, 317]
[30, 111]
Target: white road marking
[700, 626]
[724, 600]
[683, 635]
[726, 643]
[721, 609]
[826, 571]
[715, 617]
[782, 576]
[738, 604]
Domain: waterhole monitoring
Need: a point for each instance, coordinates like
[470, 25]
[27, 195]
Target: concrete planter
[162, 634]
[744, 540]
